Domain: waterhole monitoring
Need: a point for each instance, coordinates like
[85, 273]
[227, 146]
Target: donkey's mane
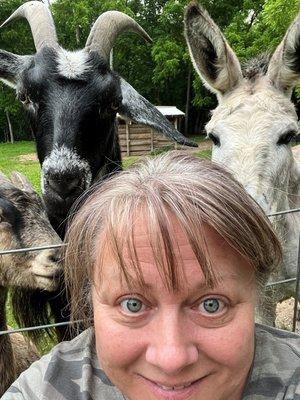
[256, 66]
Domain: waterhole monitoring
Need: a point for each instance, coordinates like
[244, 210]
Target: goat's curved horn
[106, 29]
[41, 23]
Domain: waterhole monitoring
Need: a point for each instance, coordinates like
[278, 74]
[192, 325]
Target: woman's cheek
[116, 344]
[231, 344]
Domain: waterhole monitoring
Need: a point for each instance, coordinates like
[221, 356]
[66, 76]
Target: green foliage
[261, 26]
[16, 38]
[159, 71]
[203, 98]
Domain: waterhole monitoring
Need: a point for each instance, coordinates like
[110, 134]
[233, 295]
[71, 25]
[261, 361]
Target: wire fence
[270, 284]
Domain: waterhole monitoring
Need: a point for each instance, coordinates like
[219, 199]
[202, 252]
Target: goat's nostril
[65, 187]
[54, 256]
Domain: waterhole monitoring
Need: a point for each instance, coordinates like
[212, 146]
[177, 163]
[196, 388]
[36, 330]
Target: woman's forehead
[225, 261]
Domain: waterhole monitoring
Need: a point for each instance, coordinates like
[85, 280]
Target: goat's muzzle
[47, 269]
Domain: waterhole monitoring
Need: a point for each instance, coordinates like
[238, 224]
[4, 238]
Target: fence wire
[270, 284]
[34, 328]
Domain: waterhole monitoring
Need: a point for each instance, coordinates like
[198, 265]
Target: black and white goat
[73, 99]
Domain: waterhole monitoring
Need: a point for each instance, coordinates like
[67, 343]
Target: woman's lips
[180, 391]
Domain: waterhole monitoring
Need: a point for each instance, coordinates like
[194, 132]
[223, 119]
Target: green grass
[10, 161]
[203, 154]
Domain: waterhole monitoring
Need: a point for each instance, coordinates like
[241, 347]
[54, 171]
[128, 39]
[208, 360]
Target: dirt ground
[28, 157]
[285, 312]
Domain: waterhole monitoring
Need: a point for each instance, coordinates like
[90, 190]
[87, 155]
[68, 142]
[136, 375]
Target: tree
[162, 72]
[16, 38]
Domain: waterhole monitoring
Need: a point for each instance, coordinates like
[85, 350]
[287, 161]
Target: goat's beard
[33, 308]
[30, 308]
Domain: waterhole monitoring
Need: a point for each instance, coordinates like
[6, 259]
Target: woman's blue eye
[212, 306]
[132, 305]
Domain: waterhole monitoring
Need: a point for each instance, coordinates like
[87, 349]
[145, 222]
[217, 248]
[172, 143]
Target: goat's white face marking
[62, 160]
[249, 125]
[72, 64]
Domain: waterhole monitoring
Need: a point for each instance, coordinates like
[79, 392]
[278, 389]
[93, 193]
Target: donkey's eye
[286, 137]
[214, 138]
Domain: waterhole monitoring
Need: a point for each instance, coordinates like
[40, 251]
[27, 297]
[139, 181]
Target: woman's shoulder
[279, 336]
[276, 367]
[69, 371]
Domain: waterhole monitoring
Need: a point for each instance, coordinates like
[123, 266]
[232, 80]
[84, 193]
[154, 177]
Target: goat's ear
[4, 180]
[21, 182]
[284, 66]
[136, 108]
[213, 58]
[10, 67]
[6, 184]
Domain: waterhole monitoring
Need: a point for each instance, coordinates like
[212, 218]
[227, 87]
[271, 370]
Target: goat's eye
[286, 137]
[215, 139]
[115, 106]
[24, 98]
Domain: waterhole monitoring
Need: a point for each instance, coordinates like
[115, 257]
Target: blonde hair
[198, 192]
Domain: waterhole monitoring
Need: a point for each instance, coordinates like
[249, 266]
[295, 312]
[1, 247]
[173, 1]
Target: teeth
[175, 387]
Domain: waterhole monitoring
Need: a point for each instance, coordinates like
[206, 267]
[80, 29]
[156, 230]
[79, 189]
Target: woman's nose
[170, 348]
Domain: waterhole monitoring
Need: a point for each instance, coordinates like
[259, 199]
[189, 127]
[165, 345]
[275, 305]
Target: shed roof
[170, 111]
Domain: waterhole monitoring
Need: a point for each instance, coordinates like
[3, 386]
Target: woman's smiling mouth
[181, 391]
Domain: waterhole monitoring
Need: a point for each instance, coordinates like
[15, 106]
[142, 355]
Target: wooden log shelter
[137, 140]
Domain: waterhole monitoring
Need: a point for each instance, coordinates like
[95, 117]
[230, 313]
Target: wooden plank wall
[136, 140]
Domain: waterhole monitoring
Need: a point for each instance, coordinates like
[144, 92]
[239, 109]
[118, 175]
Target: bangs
[157, 197]
[153, 217]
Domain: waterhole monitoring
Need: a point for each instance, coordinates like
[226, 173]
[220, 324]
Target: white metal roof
[170, 111]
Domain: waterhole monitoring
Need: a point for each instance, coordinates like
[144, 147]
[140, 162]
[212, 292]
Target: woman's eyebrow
[220, 279]
[150, 288]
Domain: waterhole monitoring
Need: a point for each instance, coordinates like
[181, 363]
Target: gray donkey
[252, 126]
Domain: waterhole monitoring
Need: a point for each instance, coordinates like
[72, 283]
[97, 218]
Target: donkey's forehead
[249, 98]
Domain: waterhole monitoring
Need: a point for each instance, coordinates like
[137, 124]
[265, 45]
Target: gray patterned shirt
[71, 371]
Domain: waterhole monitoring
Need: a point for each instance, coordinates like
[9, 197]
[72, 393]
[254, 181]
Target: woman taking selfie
[166, 262]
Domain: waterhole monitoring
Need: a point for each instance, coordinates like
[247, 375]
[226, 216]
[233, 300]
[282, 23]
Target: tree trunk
[78, 35]
[111, 59]
[187, 105]
[11, 134]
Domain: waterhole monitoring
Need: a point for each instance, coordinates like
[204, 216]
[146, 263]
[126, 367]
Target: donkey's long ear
[136, 108]
[284, 66]
[213, 59]
[10, 67]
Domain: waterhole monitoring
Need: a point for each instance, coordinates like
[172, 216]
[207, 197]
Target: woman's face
[196, 343]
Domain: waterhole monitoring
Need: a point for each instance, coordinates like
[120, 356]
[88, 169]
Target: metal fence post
[297, 290]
